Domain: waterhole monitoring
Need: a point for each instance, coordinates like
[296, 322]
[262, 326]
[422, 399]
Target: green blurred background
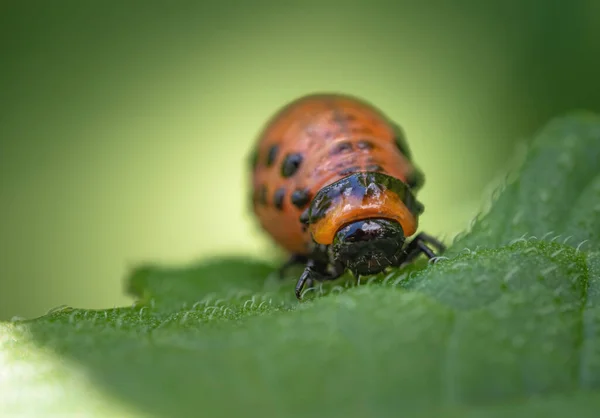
[124, 126]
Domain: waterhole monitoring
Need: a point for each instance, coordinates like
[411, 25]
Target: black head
[368, 246]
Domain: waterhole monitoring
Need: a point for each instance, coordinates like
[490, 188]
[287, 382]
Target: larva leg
[316, 271]
[419, 246]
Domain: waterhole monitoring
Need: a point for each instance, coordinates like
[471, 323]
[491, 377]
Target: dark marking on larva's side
[278, 198]
[401, 143]
[361, 184]
[262, 194]
[340, 147]
[349, 170]
[290, 164]
[374, 167]
[300, 198]
[272, 155]
[415, 179]
[365, 144]
[417, 207]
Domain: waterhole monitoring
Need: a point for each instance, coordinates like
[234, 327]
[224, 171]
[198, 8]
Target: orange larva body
[315, 144]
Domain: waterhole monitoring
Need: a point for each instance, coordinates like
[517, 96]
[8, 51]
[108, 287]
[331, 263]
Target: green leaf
[171, 288]
[486, 327]
[556, 194]
[590, 346]
[499, 329]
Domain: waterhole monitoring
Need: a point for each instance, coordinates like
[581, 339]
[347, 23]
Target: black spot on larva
[262, 194]
[272, 155]
[374, 167]
[278, 198]
[415, 180]
[340, 147]
[365, 144]
[300, 198]
[291, 164]
[349, 170]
